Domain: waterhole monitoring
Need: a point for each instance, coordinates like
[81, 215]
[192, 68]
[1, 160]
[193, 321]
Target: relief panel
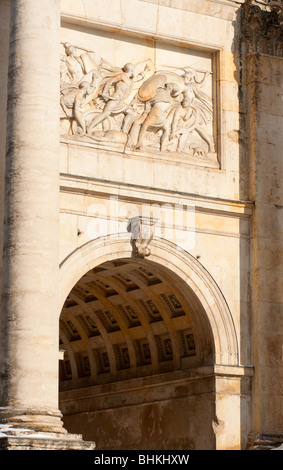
[135, 96]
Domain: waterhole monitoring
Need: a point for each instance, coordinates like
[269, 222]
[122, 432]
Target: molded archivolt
[124, 317]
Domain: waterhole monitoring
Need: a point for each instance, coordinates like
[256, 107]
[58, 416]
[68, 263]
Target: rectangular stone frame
[217, 56]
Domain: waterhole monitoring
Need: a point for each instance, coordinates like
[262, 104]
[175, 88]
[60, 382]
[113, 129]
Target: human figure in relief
[193, 113]
[116, 103]
[186, 123]
[73, 100]
[75, 67]
[159, 107]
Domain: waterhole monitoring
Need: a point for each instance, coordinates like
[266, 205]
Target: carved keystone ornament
[142, 230]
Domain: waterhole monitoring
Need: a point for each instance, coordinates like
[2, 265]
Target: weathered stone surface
[141, 110]
[23, 439]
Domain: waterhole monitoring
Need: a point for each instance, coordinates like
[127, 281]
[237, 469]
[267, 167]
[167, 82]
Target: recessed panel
[138, 96]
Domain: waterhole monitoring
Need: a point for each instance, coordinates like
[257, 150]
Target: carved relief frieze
[262, 26]
[135, 107]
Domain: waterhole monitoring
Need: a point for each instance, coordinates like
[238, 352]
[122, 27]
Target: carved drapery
[135, 107]
[262, 27]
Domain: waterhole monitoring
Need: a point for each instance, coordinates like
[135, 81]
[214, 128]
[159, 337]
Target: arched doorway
[141, 338]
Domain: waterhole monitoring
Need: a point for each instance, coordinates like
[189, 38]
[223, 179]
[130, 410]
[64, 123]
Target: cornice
[202, 203]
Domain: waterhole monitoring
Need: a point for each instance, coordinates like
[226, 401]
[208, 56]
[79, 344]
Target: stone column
[263, 78]
[29, 366]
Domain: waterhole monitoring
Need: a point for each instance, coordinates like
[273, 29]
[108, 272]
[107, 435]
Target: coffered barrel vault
[122, 318]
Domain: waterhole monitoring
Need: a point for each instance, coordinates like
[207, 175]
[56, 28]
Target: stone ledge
[15, 438]
[265, 442]
[41, 442]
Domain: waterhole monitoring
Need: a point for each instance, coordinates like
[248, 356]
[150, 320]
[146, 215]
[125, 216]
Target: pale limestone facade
[141, 168]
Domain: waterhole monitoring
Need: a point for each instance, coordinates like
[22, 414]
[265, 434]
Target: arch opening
[135, 339]
[130, 318]
[143, 339]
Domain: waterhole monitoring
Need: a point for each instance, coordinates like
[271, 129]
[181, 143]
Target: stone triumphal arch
[141, 224]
